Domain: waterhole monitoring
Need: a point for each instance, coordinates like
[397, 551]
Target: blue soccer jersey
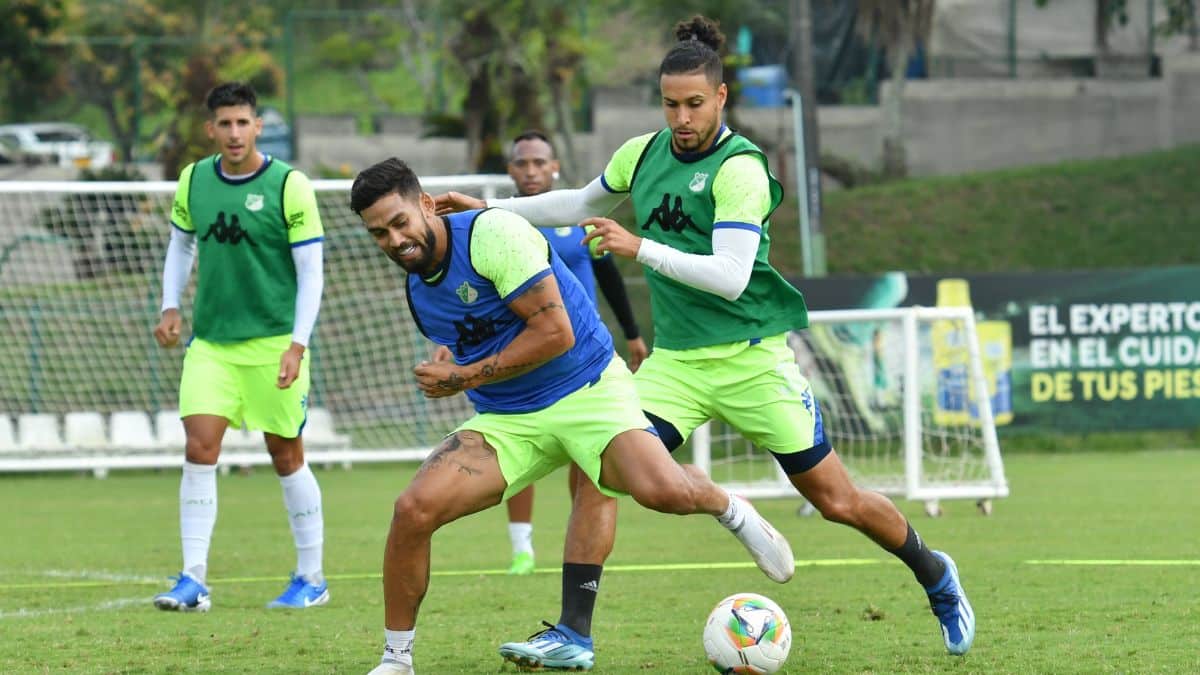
[493, 256]
[567, 242]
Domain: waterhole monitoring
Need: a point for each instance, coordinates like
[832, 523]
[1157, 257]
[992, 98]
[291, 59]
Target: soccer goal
[905, 400]
[84, 386]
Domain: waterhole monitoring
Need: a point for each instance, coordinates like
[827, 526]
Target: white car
[61, 143]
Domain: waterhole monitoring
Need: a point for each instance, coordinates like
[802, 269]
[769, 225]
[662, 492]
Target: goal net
[84, 384]
[905, 400]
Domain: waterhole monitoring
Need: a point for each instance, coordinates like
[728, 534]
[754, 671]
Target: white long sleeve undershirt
[725, 273]
[181, 251]
[310, 282]
[310, 279]
[558, 207]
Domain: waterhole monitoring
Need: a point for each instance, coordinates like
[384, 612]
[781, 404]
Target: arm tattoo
[454, 382]
[545, 308]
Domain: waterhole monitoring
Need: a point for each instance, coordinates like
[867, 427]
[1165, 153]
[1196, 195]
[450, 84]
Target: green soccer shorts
[237, 382]
[577, 428]
[755, 387]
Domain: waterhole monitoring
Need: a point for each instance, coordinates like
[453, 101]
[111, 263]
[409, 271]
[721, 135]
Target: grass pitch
[1090, 566]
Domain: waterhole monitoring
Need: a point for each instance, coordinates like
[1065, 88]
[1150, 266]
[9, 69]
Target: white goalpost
[905, 399]
[83, 385]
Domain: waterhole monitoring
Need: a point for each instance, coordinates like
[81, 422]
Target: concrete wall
[959, 126]
[951, 126]
[1181, 76]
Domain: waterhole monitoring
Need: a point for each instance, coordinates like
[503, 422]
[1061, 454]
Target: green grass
[1125, 212]
[1109, 618]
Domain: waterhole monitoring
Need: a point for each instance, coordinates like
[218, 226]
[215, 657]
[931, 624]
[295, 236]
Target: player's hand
[637, 353]
[442, 354]
[453, 202]
[166, 333]
[289, 365]
[438, 379]
[613, 238]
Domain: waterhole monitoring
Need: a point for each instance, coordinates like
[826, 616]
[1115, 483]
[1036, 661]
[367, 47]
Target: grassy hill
[1127, 212]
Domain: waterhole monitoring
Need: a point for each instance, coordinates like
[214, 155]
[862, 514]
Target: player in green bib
[253, 221]
[702, 195]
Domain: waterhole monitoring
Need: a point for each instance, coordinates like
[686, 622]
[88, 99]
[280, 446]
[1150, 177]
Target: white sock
[734, 514]
[302, 499]
[197, 515]
[399, 645]
[521, 536]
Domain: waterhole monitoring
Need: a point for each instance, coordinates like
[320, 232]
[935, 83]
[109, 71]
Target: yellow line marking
[1101, 563]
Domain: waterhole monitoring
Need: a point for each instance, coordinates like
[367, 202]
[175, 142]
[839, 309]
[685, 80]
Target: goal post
[906, 401]
[80, 290]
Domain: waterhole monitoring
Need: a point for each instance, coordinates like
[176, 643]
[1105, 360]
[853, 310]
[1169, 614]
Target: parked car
[276, 137]
[61, 143]
[10, 153]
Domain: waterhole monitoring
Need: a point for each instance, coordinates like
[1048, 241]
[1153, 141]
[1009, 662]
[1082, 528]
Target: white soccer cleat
[770, 549]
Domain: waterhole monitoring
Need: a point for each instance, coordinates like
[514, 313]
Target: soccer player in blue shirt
[530, 352]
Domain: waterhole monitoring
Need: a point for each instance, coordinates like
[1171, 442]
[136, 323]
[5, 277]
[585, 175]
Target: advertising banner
[1074, 351]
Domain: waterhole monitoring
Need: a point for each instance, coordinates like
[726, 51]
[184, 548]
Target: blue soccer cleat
[301, 593]
[188, 595]
[949, 603]
[556, 648]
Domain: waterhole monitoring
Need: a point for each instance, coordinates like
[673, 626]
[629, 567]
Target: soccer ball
[747, 633]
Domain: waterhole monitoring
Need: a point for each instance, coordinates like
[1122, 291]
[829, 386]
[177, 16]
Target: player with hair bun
[702, 195]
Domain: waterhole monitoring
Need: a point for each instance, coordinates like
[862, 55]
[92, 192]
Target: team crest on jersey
[562, 231]
[467, 294]
[254, 202]
[698, 181]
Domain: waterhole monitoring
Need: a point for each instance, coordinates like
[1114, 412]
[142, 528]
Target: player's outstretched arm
[548, 208]
[455, 202]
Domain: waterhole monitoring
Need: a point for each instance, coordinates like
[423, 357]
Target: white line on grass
[665, 567]
[99, 607]
[101, 575]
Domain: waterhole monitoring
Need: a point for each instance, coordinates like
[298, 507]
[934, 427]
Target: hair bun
[701, 29]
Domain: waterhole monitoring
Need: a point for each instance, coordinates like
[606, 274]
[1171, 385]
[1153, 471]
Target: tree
[240, 53]
[519, 58]
[898, 26]
[371, 41]
[29, 77]
[125, 58]
[1181, 18]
